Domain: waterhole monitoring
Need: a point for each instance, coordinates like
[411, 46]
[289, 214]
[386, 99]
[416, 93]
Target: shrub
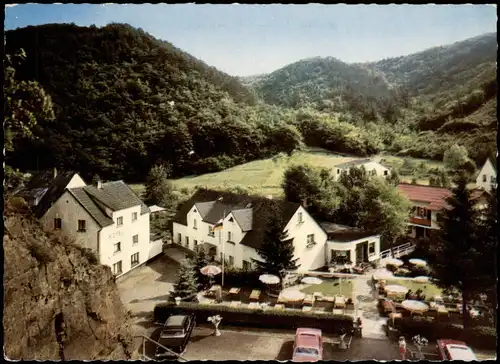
[90, 255]
[239, 278]
[242, 316]
[42, 254]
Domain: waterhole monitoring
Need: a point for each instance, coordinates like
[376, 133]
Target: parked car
[175, 335]
[454, 350]
[308, 345]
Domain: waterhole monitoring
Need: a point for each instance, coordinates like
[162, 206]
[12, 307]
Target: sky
[247, 40]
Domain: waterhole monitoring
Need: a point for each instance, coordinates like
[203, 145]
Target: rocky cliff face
[58, 302]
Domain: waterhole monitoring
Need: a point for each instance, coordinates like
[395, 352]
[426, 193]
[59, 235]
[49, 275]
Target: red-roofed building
[427, 201]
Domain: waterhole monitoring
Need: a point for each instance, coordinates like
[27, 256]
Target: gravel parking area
[144, 287]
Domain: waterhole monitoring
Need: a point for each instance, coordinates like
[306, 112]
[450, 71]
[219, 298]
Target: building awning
[156, 208]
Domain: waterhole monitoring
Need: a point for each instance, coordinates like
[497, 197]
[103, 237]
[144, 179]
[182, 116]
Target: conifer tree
[277, 251]
[186, 287]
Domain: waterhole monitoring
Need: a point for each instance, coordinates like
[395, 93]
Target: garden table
[235, 303]
[234, 291]
[306, 308]
[279, 306]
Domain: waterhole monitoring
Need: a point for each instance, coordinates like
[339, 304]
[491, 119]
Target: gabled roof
[44, 184]
[434, 196]
[209, 201]
[90, 206]
[353, 163]
[116, 195]
[344, 233]
[244, 218]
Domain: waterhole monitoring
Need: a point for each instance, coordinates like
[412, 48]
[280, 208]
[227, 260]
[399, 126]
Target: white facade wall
[312, 257]
[487, 176]
[110, 235]
[379, 169]
[69, 210]
[76, 182]
[351, 246]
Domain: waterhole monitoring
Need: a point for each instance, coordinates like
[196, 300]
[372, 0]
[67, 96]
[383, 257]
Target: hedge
[242, 316]
[481, 337]
[240, 278]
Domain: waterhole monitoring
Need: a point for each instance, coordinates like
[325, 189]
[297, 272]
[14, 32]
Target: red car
[455, 350]
[308, 345]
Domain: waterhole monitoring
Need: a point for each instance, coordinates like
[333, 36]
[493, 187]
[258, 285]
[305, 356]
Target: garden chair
[255, 295]
[337, 311]
[307, 309]
[279, 307]
[330, 299]
[235, 303]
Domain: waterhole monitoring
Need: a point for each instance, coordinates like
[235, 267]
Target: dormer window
[484, 178]
[119, 221]
[211, 231]
[299, 218]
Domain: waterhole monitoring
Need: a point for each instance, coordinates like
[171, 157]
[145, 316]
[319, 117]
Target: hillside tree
[158, 188]
[455, 157]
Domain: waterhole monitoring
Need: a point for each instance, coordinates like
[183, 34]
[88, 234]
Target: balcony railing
[398, 251]
[420, 221]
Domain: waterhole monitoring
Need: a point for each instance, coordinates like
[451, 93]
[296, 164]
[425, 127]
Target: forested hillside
[124, 101]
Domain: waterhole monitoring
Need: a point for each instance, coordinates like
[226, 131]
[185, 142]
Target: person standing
[402, 347]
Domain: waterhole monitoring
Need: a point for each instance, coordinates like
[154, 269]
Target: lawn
[332, 287]
[263, 177]
[429, 289]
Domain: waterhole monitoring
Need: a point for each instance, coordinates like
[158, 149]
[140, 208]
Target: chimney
[55, 172]
[304, 202]
[98, 184]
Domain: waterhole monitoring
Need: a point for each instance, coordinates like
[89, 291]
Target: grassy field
[332, 287]
[263, 177]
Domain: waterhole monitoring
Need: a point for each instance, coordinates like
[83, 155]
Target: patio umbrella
[421, 279]
[292, 295]
[392, 261]
[416, 261]
[311, 280]
[396, 288]
[414, 306]
[210, 270]
[382, 274]
[269, 279]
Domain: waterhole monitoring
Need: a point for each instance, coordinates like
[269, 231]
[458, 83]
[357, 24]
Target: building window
[187, 242]
[134, 259]
[386, 173]
[373, 172]
[179, 238]
[229, 237]
[57, 223]
[195, 243]
[341, 257]
[118, 247]
[371, 249]
[117, 268]
[310, 240]
[299, 217]
[119, 221]
[82, 225]
[493, 179]
[134, 216]
[338, 171]
[194, 224]
[135, 239]
[484, 178]
[230, 260]
[211, 231]
[247, 265]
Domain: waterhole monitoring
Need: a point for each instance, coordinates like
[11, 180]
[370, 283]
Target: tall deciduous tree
[277, 251]
[158, 188]
[186, 287]
[456, 252]
[455, 157]
[24, 102]
[301, 182]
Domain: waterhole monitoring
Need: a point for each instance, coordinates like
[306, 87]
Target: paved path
[373, 323]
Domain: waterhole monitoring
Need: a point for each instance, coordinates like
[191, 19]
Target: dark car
[175, 335]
